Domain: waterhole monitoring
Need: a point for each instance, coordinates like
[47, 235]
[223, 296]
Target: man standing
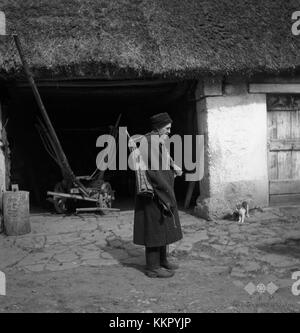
[156, 220]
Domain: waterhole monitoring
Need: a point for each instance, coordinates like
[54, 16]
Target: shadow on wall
[224, 202]
[240, 191]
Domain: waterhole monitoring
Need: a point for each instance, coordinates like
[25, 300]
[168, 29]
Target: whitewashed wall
[236, 167]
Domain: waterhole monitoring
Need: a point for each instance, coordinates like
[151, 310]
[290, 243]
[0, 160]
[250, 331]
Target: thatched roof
[151, 38]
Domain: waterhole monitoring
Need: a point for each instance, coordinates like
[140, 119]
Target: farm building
[228, 70]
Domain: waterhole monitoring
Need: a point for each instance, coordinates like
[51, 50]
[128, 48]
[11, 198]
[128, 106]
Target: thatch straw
[146, 38]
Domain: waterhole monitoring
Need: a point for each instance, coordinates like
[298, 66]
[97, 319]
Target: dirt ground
[89, 264]
[125, 289]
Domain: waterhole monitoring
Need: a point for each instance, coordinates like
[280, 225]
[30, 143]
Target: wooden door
[284, 148]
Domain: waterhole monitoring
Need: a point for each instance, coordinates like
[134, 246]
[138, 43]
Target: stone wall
[234, 123]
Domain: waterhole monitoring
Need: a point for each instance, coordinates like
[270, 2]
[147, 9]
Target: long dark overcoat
[153, 224]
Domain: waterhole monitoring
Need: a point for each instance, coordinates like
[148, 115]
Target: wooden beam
[94, 83]
[288, 186]
[66, 170]
[285, 199]
[189, 194]
[209, 87]
[71, 196]
[270, 88]
[281, 144]
[96, 209]
[282, 78]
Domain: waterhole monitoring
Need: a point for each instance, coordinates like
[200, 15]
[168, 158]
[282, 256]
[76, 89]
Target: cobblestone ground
[88, 263]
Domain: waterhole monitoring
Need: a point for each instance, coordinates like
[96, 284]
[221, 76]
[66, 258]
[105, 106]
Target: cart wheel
[59, 203]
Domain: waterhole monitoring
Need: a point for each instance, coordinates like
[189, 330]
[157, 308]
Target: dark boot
[164, 262]
[153, 268]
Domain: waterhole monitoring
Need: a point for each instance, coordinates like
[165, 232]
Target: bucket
[16, 213]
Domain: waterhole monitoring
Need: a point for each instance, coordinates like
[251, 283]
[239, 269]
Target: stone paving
[267, 243]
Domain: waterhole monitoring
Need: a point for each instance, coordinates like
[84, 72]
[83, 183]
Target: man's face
[165, 131]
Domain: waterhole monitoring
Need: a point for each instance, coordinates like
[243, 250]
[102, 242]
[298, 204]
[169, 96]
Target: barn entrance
[81, 111]
[284, 148]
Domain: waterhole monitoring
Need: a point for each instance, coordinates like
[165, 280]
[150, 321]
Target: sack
[143, 185]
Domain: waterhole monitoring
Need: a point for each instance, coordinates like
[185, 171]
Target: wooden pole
[190, 127]
[189, 194]
[96, 209]
[67, 171]
[71, 196]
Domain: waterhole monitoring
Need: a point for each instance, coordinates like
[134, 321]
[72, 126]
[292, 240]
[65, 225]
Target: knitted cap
[160, 120]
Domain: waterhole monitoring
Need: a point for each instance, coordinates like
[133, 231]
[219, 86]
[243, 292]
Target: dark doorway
[81, 111]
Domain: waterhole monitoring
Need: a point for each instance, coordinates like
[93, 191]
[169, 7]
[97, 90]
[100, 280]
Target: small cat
[242, 210]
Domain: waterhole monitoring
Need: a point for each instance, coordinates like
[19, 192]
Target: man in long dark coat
[156, 220]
